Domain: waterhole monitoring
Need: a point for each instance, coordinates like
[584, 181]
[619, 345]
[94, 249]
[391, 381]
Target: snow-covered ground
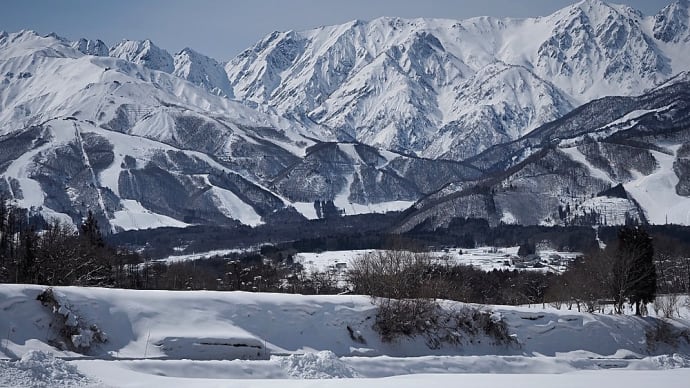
[484, 258]
[655, 193]
[214, 339]
[37, 370]
[202, 255]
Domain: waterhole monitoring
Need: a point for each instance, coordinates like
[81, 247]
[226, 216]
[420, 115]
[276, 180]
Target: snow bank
[212, 339]
[205, 325]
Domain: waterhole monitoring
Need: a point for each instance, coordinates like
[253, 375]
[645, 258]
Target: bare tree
[397, 274]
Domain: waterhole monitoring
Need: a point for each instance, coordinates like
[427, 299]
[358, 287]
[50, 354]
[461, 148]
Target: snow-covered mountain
[91, 47]
[671, 25]
[612, 161]
[141, 148]
[364, 116]
[145, 53]
[202, 71]
[450, 89]
[144, 148]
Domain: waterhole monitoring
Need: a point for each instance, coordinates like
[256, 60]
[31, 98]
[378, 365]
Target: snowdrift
[203, 325]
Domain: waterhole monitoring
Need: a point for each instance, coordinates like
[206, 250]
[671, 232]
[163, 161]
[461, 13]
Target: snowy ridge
[91, 47]
[144, 53]
[419, 85]
[203, 71]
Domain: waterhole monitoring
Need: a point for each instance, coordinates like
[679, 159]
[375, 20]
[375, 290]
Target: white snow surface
[656, 193]
[577, 156]
[136, 217]
[40, 369]
[198, 338]
[202, 255]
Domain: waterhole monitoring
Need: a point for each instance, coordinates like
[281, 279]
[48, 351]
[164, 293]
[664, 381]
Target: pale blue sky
[223, 28]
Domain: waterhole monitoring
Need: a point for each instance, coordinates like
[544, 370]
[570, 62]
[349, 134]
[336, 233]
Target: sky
[224, 28]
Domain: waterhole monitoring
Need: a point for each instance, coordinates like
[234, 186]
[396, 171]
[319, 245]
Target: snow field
[39, 369]
[656, 193]
[484, 258]
[201, 338]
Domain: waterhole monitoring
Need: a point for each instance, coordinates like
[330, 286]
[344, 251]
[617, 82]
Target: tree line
[632, 268]
[57, 253]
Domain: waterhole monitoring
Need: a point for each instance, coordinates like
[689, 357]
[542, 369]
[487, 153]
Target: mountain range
[579, 117]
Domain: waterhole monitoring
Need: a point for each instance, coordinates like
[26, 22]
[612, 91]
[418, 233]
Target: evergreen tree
[526, 249]
[91, 232]
[633, 272]
[28, 266]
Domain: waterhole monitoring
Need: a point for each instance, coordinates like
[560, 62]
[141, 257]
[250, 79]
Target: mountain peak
[91, 47]
[55, 36]
[680, 6]
[598, 11]
[188, 51]
[593, 4]
[202, 71]
[596, 3]
[595, 10]
[29, 42]
[672, 23]
[27, 32]
[145, 53]
[23, 35]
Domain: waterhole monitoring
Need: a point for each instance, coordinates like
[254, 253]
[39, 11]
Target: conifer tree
[91, 232]
[634, 273]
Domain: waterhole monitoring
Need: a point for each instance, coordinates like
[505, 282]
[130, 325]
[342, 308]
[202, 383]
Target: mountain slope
[562, 172]
[142, 148]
